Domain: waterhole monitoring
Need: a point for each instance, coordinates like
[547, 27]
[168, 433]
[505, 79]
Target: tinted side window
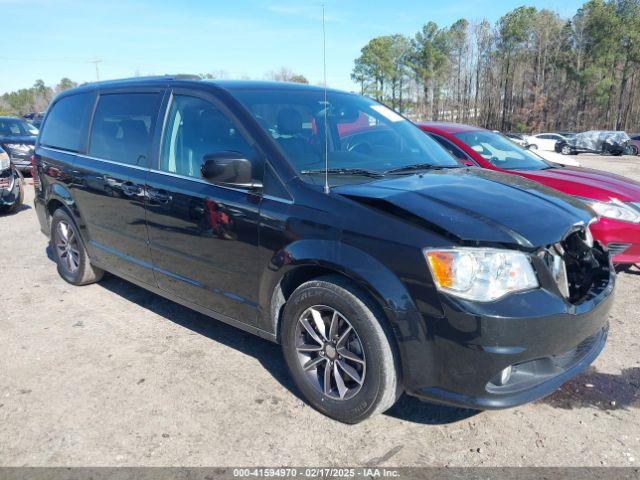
[196, 127]
[66, 121]
[123, 126]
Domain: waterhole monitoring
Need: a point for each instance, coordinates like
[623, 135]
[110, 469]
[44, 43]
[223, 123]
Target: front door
[204, 237]
[110, 181]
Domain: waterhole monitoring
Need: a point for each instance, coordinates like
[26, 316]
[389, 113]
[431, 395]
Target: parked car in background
[566, 134]
[34, 118]
[614, 198]
[594, 141]
[544, 141]
[519, 138]
[554, 157]
[634, 145]
[404, 272]
[545, 154]
[11, 185]
[18, 138]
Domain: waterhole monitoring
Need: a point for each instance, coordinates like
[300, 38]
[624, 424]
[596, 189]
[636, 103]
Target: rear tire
[69, 252]
[316, 351]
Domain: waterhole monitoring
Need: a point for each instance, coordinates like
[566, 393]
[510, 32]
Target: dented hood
[475, 206]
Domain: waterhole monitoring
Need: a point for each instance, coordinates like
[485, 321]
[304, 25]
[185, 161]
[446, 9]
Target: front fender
[407, 324]
[337, 257]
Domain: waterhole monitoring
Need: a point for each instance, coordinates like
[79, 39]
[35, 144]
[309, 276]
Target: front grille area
[579, 268]
[587, 266]
[617, 248]
[6, 181]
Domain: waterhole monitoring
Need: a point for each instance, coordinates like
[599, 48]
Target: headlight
[481, 274]
[614, 209]
[19, 147]
[4, 161]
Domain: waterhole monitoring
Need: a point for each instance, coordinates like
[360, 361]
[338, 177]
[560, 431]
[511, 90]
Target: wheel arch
[58, 196]
[308, 259]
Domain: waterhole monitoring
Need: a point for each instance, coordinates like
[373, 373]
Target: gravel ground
[110, 375]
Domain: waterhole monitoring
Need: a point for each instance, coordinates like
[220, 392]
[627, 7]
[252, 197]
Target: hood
[475, 206]
[26, 139]
[587, 183]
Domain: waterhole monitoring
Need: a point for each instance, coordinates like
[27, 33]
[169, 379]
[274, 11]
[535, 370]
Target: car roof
[164, 80]
[450, 128]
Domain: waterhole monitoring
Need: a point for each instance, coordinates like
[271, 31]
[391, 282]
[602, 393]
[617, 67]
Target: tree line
[530, 71]
[37, 97]
[33, 99]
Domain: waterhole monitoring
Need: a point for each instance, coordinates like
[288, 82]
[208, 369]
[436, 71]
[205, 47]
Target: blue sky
[50, 39]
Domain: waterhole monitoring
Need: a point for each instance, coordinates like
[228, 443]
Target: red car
[614, 198]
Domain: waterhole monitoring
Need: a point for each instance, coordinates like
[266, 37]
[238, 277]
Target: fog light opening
[505, 376]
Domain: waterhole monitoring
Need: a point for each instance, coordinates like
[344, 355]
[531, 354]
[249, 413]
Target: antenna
[326, 107]
[96, 61]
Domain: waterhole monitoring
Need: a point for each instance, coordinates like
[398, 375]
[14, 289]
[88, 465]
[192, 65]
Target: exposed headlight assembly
[614, 209]
[4, 161]
[19, 147]
[481, 274]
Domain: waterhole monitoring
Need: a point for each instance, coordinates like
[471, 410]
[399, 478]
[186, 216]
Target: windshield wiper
[419, 166]
[344, 171]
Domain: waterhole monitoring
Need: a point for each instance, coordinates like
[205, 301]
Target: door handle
[159, 196]
[131, 189]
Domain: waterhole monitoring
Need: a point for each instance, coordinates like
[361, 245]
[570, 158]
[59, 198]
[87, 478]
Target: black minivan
[326, 222]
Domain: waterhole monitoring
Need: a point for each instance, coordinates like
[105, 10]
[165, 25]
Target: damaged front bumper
[10, 184]
[491, 355]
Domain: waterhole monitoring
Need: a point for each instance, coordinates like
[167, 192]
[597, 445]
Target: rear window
[66, 121]
[122, 127]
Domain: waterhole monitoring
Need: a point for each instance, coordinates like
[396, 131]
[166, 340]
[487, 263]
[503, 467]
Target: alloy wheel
[67, 247]
[330, 352]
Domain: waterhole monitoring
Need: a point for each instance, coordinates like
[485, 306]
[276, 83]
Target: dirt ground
[111, 375]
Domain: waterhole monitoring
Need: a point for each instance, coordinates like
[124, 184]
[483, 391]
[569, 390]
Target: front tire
[565, 150]
[69, 252]
[339, 350]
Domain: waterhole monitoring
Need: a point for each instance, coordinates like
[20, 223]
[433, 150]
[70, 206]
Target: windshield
[11, 127]
[363, 138]
[502, 152]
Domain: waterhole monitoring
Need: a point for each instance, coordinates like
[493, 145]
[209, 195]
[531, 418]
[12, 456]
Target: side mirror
[230, 168]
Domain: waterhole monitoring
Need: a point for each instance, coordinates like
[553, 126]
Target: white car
[544, 141]
[517, 138]
[557, 158]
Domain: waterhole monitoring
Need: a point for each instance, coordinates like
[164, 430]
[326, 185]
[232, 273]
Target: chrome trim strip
[278, 199]
[66, 152]
[197, 180]
[169, 174]
[112, 162]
